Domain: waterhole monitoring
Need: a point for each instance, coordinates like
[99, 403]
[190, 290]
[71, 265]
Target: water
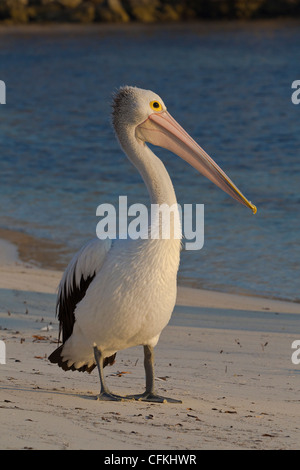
[228, 85]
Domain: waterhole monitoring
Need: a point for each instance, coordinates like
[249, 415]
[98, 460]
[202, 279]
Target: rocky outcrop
[145, 11]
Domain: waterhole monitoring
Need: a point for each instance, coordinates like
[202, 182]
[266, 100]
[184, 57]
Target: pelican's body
[129, 301]
[121, 293]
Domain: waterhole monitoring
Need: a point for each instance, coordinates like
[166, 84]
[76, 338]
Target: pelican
[118, 294]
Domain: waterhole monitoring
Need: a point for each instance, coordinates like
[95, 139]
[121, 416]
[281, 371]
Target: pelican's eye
[156, 106]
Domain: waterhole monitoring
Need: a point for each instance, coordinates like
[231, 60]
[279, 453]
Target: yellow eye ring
[155, 105]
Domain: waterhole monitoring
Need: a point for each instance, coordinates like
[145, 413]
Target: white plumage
[121, 293]
[129, 301]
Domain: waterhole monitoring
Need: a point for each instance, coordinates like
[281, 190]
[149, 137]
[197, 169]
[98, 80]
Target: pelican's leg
[105, 393]
[149, 394]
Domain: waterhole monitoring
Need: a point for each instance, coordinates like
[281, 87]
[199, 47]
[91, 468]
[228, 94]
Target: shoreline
[22, 274]
[30, 251]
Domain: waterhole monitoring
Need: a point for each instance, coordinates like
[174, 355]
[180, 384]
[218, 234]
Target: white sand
[227, 357]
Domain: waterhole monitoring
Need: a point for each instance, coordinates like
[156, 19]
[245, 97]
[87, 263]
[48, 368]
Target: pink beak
[162, 130]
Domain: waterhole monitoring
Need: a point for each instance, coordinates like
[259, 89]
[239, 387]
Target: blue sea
[228, 85]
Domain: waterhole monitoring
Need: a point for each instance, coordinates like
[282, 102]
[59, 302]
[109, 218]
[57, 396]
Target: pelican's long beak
[162, 130]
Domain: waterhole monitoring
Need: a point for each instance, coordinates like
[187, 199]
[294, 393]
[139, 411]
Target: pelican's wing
[76, 279]
[72, 288]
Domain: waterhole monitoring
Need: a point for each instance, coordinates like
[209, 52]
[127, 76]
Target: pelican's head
[132, 105]
[144, 115]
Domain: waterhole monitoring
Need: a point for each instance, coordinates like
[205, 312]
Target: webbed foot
[108, 396]
[153, 398]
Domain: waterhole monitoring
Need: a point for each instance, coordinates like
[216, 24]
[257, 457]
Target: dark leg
[105, 394]
[149, 394]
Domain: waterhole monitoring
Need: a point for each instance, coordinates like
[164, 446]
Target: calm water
[229, 86]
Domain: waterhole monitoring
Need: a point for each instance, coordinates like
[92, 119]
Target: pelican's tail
[56, 358]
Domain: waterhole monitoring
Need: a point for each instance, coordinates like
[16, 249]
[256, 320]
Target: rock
[62, 11]
[70, 3]
[51, 12]
[111, 11]
[39, 2]
[247, 10]
[4, 11]
[145, 11]
[84, 13]
[170, 12]
[14, 10]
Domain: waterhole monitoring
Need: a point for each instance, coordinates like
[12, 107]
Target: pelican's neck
[151, 168]
[159, 185]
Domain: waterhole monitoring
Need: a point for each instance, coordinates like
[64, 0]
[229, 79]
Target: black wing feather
[65, 309]
[66, 305]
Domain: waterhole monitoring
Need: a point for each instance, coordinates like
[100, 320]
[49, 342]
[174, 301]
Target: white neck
[156, 178]
[151, 168]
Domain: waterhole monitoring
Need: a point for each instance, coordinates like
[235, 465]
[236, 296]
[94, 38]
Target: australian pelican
[118, 294]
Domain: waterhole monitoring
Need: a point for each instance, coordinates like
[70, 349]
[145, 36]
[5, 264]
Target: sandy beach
[228, 357]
